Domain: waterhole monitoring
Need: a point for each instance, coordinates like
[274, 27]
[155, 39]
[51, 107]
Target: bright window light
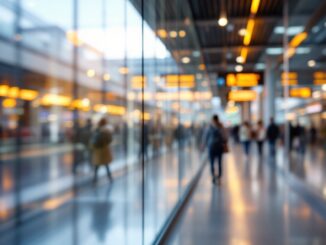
[292, 30]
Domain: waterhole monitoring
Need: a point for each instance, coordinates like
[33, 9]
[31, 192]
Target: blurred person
[260, 135]
[302, 139]
[235, 134]
[291, 136]
[245, 137]
[272, 136]
[85, 136]
[313, 135]
[215, 141]
[101, 152]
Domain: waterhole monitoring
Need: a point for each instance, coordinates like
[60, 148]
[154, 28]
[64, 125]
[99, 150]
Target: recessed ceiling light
[185, 60]
[238, 68]
[311, 63]
[242, 32]
[182, 33]
[173, 34]
[239, 59]
[223, 21]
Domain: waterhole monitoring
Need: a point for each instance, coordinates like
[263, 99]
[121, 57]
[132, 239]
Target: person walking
[100, 143]
[245, 137]
[272, 136]
[215, 141]
[260, 134]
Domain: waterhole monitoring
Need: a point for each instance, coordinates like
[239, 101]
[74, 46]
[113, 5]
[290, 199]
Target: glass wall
[301, 87]
[65, 65]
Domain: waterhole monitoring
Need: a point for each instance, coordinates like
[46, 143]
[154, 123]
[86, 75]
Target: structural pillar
[245, 112]
[269, 89]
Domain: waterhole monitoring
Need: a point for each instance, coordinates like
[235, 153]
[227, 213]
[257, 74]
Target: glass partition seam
[143, 120]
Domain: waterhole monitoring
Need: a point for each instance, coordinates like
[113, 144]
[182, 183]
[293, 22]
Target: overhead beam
[252, 48]
[236, 20]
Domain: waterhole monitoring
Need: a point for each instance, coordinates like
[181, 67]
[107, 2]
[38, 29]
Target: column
[269, 89]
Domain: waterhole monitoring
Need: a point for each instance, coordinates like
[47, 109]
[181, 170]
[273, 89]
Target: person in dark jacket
[272, 136]
[215, 140]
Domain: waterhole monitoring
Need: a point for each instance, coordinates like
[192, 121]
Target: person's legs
[108, 172]
[247, 147]
[260, 147]
[211, 160]
[219, 159]
[95, 174]
[272, 148]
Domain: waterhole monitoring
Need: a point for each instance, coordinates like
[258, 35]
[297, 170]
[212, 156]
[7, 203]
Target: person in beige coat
[101, 152]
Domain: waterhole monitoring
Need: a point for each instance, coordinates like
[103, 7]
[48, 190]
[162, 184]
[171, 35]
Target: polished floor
[254, 204]
[107, 213]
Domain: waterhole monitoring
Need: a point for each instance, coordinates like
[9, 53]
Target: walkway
[254, 205]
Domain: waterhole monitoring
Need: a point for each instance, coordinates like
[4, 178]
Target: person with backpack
[215, 141]
[100, 144]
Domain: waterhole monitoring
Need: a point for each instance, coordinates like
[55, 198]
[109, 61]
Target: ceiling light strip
[250, 28]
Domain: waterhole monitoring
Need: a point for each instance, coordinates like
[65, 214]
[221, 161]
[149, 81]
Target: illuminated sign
[289, 79]
[243, 79]
[300, 92]
[319, 78]
[17, 93]
[242, 95]
[182, 81]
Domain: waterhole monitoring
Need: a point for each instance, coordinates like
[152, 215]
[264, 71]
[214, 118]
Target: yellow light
[26, 94]
[138, 82]
[242, 79]
[320, 82]
[106, 77]
[202, 67]
[116, 110]
[244, 54]
[123, 70]
[90, 73]
[173, 34]
[4, 90]
[300, 92]
[319, 75]
[242, 95]
[9, 103]
[182, 33]
[298, 39]
[249, 30]
[242, 32]
[55, 100]
[56, 202]
[291, 82]
[72, 36]
[111, 109]
[289, 75]
[319, 78]
[223, 21]
[162, 33]
[183, 81]
[13, 92]
[254, 6]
